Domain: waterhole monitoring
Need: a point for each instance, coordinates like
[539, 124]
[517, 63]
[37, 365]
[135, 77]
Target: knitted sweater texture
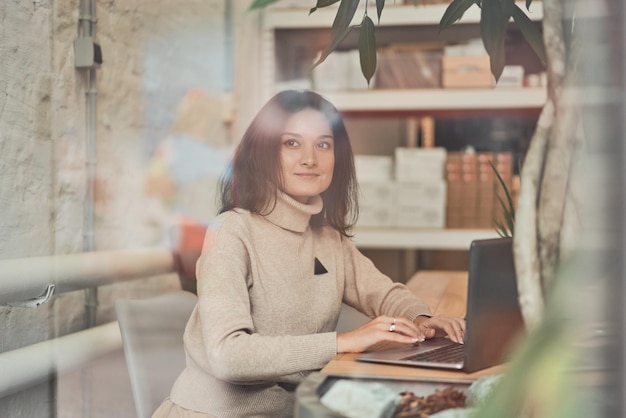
[264, 319]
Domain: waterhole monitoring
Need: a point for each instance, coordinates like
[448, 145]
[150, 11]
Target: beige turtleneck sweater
[264, 319]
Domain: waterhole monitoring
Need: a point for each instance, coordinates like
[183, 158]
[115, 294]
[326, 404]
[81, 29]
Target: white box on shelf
[341, 70]
[376, 216]
[377, 193]
[421, 204]
[472, 47]
[512, 76]
[416, 164]
[373, 168]
[425, 193]
[332, 74]
[354, 78]
[420, 217]
[377, 203]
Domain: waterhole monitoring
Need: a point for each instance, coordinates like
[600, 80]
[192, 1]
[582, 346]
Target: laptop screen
[494, 320]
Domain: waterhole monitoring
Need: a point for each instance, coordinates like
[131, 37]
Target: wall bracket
[35, 302]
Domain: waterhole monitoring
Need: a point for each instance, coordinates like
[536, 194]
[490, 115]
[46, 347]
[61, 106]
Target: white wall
[163, 75]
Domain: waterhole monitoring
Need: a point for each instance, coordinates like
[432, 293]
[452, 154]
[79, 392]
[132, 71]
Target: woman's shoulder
[233, 219]
[227, 229]
[327, 232]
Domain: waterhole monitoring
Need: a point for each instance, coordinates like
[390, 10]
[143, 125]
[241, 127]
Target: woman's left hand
[442, 325]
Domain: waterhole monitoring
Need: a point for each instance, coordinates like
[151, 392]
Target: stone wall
[163, 78]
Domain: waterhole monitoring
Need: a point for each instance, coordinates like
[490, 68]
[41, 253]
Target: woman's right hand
[384, 328]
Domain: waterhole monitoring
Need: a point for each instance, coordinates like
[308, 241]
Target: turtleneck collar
[293, 215]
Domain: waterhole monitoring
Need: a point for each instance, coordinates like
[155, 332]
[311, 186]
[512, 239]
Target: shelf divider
[419, 239]
[437, 99]
[430, 14]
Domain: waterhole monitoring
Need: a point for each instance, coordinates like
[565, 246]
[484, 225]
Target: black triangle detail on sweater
[319, 267]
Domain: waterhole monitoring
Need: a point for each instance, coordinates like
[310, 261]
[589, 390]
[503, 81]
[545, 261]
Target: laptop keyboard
[452, 353]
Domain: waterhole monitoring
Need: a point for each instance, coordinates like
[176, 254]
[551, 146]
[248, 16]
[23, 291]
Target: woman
[276, 267]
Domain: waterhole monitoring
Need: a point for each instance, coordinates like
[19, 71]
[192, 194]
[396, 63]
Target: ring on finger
[392, 327]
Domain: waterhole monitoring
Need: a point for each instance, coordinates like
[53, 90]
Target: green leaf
[501, 230]
[503, 185]
[334, 43]
[380, 5]
[508, 210]
[509, 217]
[367, 48]
[260, 4]
[341, 27]
[493, 21]
[322, 3]
[345, 13]
[492, 24]
[454, 12]
[530, 32]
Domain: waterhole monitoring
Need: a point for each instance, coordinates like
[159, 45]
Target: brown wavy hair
[254, 175]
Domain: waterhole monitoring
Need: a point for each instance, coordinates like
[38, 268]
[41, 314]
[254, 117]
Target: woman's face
[307, 155]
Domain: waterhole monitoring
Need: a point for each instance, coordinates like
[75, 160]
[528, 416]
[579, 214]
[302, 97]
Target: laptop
[493, 317]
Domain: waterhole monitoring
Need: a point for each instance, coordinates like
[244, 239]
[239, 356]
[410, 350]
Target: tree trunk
[545, 177]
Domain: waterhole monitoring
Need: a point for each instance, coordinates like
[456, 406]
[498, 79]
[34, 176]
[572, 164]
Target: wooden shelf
[299, 18]
[437, 99]
[419, 239]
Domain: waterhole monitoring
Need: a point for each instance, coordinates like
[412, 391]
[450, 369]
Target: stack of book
[473, 188]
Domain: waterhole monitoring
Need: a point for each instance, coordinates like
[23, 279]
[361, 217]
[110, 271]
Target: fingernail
[414, 340]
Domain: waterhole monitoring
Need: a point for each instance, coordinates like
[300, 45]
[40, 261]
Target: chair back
[152, 336]
[187, 239]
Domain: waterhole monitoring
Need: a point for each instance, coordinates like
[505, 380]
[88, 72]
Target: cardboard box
[408, 67]
[466, 71]
[465, 63]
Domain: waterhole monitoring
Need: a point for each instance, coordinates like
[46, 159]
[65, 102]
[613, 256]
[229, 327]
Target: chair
[152, 337]
[187, 238]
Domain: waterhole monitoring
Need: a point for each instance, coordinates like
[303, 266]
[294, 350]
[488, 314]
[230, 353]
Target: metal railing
[32, 281]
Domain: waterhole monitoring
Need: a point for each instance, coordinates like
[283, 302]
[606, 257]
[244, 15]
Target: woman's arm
[368, 290]
[223, 336]
[400, 316]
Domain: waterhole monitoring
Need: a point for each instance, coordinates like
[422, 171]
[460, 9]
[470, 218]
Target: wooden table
[445, 293]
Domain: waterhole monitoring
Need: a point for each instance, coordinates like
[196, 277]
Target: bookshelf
[289, 34]
[418, 239]
[430, 101]
[393, 15]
